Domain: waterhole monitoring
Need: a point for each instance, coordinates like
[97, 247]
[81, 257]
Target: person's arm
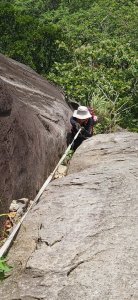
[74, 123]
[87, 131]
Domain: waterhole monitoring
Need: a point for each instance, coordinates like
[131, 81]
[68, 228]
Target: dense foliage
[89, 48]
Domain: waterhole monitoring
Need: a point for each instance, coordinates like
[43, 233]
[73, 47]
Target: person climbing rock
[82, 118]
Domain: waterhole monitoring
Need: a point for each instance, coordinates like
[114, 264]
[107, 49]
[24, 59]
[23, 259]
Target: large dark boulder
[5, 100]
[34, 120]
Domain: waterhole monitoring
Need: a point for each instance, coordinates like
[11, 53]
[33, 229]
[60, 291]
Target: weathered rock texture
[80, 240]
[34, 120]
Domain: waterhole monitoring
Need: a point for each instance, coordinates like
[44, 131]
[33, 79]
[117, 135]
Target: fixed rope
[8, 242]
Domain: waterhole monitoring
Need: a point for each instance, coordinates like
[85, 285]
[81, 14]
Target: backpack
[94, 117]
[91, 111]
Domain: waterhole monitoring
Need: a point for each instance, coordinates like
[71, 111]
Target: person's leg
[73, 133]
[69, 138]
[77, 143]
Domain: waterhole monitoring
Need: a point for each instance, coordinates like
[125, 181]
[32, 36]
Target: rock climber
[84, 119]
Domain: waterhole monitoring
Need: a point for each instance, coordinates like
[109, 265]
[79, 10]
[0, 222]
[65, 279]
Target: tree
[87, 47]
[102, 75]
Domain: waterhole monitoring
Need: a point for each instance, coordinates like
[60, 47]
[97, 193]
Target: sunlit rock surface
[80, 240]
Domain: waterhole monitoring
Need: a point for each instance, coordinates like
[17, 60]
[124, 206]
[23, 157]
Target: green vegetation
[89, 48]
[68, 157]
[4, 269]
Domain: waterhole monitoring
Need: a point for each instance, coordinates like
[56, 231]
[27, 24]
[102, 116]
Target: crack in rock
[40, 241]
[74, 267]
[102, 231]
[85, 261]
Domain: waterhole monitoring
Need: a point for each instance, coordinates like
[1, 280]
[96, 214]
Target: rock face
[80, 240]
[34, 120]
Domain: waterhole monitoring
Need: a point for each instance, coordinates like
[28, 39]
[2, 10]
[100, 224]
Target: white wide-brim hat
[82, 113]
